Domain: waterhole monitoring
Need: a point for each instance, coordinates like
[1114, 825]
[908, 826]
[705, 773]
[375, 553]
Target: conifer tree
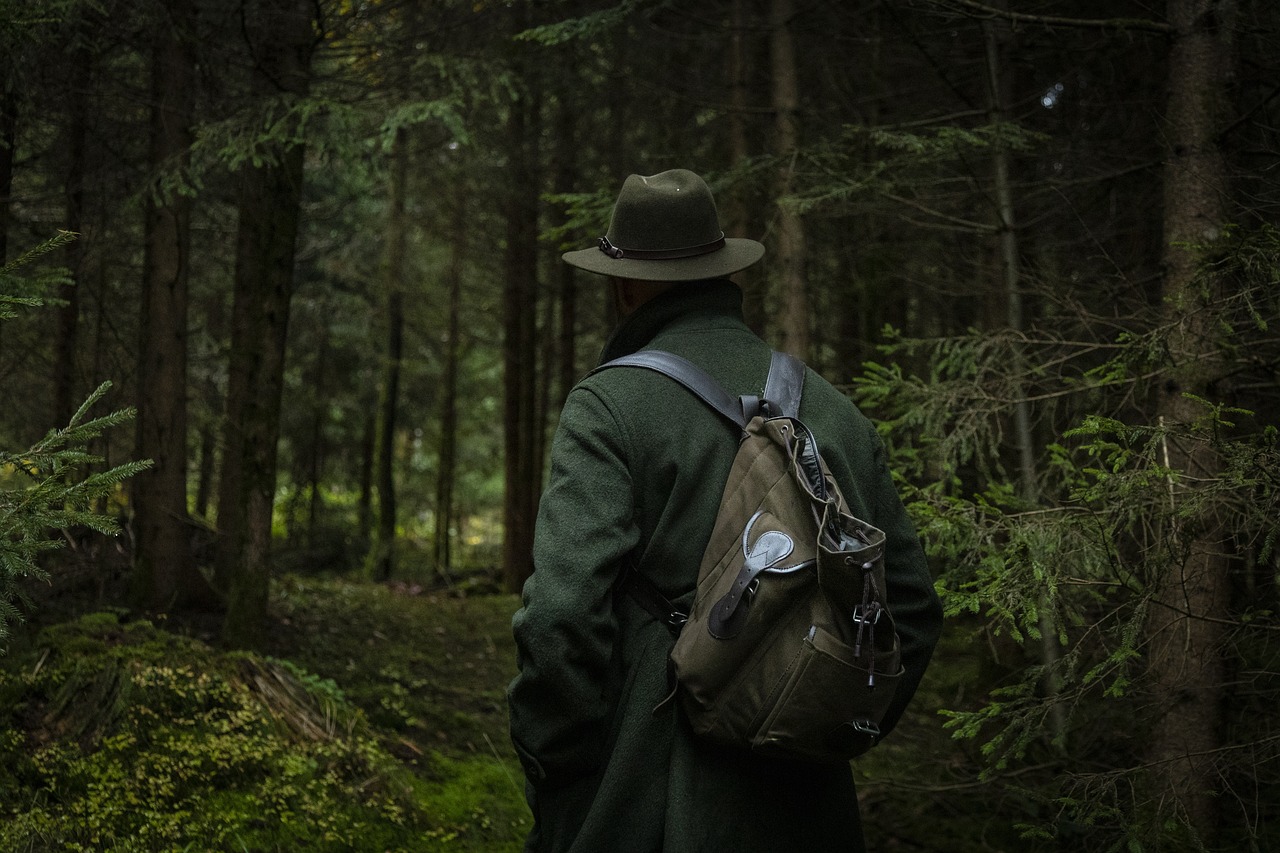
[51, 486]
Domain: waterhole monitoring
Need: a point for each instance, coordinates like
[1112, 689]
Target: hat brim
[738, 254]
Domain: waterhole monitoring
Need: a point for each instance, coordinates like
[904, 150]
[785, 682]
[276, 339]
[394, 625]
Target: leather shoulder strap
[782, 389]
[687, 374]
[785, 384]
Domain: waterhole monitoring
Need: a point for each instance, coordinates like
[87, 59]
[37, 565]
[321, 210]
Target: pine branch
[59, 495]
[50, 245]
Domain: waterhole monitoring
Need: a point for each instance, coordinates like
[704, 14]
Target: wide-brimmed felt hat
[665, 228]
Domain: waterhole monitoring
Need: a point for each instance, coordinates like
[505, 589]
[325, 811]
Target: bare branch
[964, 224]
[982, 10]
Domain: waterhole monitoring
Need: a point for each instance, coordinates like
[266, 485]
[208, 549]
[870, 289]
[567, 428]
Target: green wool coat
[637, 469]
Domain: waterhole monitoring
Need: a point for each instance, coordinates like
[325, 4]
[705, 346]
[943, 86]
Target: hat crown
[668, 211]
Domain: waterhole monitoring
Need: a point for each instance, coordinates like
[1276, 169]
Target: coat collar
[714, 302]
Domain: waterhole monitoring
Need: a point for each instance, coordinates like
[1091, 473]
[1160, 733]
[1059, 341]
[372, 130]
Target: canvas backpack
[789, 648]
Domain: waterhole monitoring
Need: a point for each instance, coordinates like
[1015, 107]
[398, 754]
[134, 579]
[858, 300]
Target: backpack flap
[759, 562]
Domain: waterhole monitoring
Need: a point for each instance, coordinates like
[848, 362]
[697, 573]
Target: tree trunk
[1186, 626]
[8, 142]
[269, 201]
[543, 380]
[449, 402]
[997, 38]
[791, 255]
[306, 499]
[382, 556]
[738, 211]
[164, 575]
[567, 282]
[862, 298]
[213, 422]
[318, 450]
[853, 306]
[204, 476]
[566, 348]
[66, 338]
[368, 443]
[519, 354]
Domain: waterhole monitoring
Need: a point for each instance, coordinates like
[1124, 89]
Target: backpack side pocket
[829, 707]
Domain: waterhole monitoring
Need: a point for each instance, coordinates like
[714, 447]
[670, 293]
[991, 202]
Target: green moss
[117, 735]
[432, 669]
[478, 805]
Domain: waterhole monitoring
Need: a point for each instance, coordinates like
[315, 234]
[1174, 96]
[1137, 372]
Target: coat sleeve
[566, 629]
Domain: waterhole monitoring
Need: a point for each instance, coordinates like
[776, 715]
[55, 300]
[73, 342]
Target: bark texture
[791, 237]
[165, 576]
[382, 558]
[519, 353]
[1185, 636]
[281, 39]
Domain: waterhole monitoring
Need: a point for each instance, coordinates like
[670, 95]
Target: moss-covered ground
[374, 720]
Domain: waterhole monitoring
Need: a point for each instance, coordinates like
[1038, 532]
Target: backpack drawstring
[866, 615]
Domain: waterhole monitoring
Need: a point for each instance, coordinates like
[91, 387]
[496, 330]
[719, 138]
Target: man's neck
[686, 300]
[629, 294]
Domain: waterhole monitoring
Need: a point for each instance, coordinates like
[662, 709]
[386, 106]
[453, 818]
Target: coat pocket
[830, 706]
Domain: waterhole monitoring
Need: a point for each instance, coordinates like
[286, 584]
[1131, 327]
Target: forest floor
[429, 667]
[375, 719]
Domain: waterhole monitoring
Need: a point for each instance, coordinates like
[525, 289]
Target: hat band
[660, 254]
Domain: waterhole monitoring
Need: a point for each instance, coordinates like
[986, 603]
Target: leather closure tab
[771, 548]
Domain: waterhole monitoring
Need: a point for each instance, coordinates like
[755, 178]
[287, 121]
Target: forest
[284, 332]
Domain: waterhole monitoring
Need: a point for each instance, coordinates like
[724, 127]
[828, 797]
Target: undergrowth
[117, 735]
